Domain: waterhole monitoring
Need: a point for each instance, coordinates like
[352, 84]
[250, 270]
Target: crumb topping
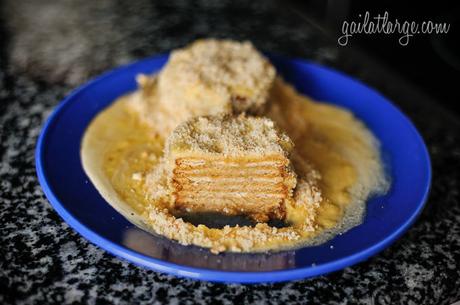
[208, 77]
[235, 71]
[229, 136]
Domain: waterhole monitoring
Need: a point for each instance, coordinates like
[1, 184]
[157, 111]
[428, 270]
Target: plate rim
[198, 273]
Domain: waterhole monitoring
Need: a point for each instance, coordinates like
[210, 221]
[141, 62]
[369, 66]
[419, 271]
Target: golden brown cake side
[254, 186]
[230, 165]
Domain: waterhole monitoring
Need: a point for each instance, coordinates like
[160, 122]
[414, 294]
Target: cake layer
[265, 187]
[231, 207]
[221, 180]
[196, 162]
[230, 194]
[229, 171]
[199, 161]
[233, 190]
[215, 173]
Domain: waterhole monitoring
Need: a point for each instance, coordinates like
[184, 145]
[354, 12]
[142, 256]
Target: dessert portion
[231, 165]
[208, 77]
[194, 139]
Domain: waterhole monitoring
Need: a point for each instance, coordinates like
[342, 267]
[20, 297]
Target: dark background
[432, 62]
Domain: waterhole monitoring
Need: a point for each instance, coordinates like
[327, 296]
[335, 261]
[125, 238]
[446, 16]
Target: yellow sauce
[338, 145]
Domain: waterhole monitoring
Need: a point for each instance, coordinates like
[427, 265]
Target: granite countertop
[49, 47]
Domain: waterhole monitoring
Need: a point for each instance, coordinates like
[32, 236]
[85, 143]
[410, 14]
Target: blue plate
[77, 201]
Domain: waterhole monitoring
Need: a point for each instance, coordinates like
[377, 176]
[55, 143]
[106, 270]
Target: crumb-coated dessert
[207, 77]
[232, 165]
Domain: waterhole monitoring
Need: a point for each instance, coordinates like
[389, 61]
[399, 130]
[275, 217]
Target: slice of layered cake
[231, 165]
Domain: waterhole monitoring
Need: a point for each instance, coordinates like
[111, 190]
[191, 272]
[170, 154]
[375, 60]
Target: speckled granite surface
[42, 260]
